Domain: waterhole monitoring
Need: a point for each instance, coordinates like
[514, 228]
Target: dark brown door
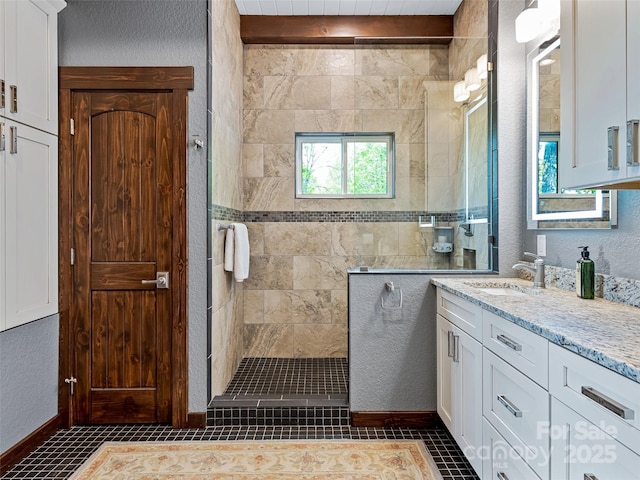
[122, 237]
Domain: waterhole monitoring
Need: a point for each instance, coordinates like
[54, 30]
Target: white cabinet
[459, 376]
[28, 160]
[601, 93]
[583, 451]
[597, 393]
[518, 409]
[29, 172]
[30, 66]
[500, 460]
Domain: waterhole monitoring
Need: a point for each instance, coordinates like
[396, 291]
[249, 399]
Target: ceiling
[347, 7]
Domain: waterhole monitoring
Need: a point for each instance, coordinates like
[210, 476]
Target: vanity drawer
[462, 313]
[517, 408]
[500, 461]
[582, 451]
[524, 350]
[600, 395]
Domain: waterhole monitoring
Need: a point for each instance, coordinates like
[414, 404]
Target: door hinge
[72, 128]
[73, 256]
[71, 381]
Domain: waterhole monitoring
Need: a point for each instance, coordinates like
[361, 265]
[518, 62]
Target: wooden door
[122, 236]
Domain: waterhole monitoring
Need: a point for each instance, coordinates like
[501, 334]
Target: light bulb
[528, 25]
[481, 66]
[471, 80]
[460, 93]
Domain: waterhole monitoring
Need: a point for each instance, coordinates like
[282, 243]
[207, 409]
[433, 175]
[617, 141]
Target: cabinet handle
[1, 93]
[632, 142]
[449, 341]
[502, 476]
[13, 139]
[509, 343]
[2, 137]
[456, 348]
[608, 403]
[612, 148]
[515, 411]
[14, 98]
[590, 476]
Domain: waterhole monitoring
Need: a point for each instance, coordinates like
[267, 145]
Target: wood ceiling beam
[343, 29]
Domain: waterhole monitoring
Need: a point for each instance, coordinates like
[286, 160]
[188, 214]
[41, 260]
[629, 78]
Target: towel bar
[224, 227]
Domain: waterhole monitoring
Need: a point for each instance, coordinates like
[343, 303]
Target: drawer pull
[612, 148]
[590, 476]
[515, 411]
[449, 342]
[608, 403]
[456, 348]
[509, 343]
[503, 476]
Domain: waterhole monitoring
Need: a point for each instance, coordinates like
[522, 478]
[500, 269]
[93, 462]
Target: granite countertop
[600, 330]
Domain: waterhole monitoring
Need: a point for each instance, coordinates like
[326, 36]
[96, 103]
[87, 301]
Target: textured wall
[510, 71]
[225, 120]
[158, 33]
[28, 379]
[401, 374]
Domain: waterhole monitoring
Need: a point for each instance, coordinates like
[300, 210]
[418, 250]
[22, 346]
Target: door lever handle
[161, 281]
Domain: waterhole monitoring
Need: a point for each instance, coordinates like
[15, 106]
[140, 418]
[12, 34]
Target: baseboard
[196, 420]
[422, 419]
[28, 444]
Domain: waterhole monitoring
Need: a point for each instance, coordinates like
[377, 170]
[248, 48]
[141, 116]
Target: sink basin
[510, 289]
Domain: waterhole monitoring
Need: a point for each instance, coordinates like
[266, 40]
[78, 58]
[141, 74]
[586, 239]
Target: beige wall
[295, 298]
[225, 188]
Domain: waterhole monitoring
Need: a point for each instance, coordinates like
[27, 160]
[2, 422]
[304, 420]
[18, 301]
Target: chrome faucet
[537, 269]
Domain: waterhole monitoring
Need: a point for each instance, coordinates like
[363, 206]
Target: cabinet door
[499, 459]
[444, 371]
[597, 100]
[633, 77]
[467, 395]
[582, 451]
[31, 224]
[31, 76]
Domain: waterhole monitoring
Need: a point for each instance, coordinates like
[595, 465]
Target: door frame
[177, 81]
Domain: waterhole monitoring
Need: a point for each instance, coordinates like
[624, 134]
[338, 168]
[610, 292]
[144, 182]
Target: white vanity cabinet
[28, 160]
[459, 373]
[600, 94]
[583, 451]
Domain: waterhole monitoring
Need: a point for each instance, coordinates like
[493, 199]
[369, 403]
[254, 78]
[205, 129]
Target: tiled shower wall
[225, 189]
[295, 299]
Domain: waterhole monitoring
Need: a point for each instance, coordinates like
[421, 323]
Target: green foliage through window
[344, 165]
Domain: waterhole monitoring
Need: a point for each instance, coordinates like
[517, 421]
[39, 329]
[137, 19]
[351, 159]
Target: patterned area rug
[282, 460]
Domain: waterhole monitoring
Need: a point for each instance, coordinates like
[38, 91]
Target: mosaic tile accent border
[229, 214]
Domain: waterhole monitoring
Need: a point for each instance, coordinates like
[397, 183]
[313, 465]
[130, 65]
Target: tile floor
[62, 454]
[262, 380]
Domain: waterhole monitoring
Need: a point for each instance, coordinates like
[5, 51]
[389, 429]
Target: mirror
[548, 205]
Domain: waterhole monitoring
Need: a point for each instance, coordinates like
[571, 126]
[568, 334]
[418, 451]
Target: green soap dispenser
[585, 275]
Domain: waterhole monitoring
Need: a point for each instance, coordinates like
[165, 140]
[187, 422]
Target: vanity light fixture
[528, 25]
[460, 93]
[471, 80]
[542, 21]
[481, 67]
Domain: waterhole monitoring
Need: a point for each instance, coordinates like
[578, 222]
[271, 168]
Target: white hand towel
[241, 252]
[228, 250]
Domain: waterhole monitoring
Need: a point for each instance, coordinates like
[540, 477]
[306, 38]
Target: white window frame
[345, 139]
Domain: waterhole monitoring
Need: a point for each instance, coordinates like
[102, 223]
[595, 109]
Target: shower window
[344, 165]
